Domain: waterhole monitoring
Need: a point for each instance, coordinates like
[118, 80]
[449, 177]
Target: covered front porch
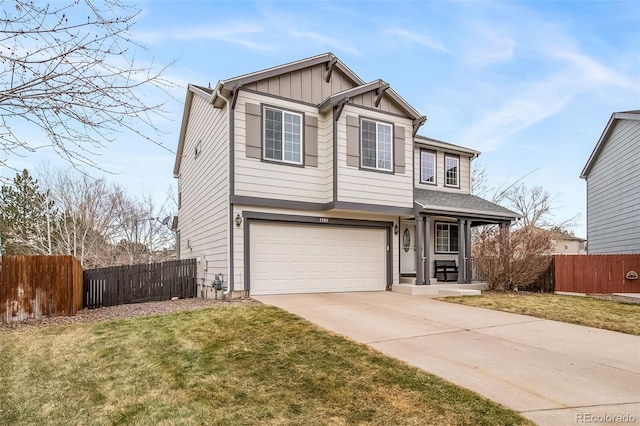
[435, 244]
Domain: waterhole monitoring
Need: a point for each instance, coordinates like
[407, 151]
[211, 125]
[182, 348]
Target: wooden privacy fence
[120, 285]
[39, 286]
[597, 274]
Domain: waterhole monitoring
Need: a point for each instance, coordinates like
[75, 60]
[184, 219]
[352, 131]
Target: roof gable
[328, 59]
[376, 93]
[627, 115]
[308, 80]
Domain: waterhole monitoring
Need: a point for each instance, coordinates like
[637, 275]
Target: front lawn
[246, 364]
[589, 311]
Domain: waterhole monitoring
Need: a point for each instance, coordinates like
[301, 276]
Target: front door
[408, 248]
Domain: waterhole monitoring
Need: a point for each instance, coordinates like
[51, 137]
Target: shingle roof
[461, 204]
[445, 145]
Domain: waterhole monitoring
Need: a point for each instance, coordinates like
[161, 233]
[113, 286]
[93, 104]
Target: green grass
[589, 311]
[250, 364]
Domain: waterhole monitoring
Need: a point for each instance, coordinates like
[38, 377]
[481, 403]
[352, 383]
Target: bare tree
[69, 69]
[534, 204]
[102, 225]
[145, 233]
[88, 216]
[479, 180]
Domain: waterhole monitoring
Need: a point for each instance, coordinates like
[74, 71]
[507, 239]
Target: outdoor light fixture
[238, 220]
[396, 229]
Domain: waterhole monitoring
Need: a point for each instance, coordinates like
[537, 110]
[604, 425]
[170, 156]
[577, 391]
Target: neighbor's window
[446, 237]
[451, 170]
[282, 135]
[427, 167]
[376, 139]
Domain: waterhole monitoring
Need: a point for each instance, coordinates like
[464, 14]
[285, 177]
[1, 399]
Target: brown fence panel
[120, 285]
[597, 274]
[34, 287]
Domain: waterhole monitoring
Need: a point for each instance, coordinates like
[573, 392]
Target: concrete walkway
[551, 372]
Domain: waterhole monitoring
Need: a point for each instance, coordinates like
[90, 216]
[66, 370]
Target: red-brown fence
[39, 286]
[597, 274]
[120, 285]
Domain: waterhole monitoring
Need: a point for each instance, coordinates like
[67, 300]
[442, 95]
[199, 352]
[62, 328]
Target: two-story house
[303, 178]
[612, 173]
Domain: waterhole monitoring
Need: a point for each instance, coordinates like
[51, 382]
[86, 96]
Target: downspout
[229, 289]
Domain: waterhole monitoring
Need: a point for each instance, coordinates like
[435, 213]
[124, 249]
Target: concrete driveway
[551, 372]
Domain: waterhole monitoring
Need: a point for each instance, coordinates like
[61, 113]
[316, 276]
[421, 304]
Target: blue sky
[530, 84]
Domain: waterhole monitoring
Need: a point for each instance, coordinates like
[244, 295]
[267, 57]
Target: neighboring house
[303, 178]
[613, 187]
[564, 243]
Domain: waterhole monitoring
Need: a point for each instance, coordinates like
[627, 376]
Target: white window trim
[454, 157]
[264, 135]
[391, 162]
[435, 167]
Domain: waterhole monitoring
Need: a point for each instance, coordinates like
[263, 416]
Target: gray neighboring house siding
[613, 188]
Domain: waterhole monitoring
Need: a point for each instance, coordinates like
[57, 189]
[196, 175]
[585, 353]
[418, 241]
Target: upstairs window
[446, 237]
[451, 170]
[282, 135]
[427, 167]
[376, 145]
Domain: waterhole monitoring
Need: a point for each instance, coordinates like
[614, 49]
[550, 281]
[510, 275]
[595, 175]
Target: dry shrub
[511, 260]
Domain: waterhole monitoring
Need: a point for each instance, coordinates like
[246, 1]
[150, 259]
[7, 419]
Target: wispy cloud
[527, 107]
[324, 41]
[413, 37]
[489, 46]
[591, 72]
[246, 34]
[539, 100]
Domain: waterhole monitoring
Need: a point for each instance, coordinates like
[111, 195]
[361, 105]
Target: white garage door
[288, 258]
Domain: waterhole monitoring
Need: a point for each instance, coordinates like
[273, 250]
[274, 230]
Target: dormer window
[452, 170]
[282, 135]
[376, 148]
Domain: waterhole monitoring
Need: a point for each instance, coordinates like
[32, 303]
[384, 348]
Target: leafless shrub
[511, 260]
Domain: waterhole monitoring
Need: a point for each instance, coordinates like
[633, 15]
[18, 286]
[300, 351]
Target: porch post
[467, 250]
[462, 245]
[418, 252]
[426, 247]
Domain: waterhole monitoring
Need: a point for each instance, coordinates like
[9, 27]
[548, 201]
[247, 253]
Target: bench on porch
[446, 270]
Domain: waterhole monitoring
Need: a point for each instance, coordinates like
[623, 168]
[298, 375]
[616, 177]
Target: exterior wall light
[238, 220]
[396, 229]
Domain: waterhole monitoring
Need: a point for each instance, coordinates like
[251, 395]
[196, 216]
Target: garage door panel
[288, 258]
